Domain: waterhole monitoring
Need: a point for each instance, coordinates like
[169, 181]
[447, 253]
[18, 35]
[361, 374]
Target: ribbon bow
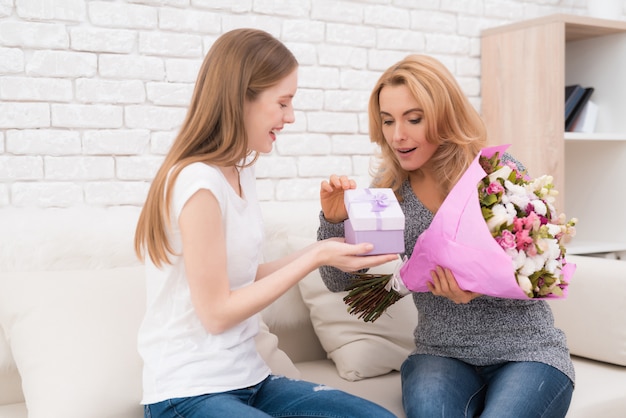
[379, 202]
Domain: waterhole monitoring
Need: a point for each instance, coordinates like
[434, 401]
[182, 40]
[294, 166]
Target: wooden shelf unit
[525, 67]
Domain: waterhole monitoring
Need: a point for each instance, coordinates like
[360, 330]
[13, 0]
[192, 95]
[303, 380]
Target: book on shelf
[576, 105]
[573, 93]
[586, 120]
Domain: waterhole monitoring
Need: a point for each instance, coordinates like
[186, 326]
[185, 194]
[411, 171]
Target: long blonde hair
[452, 123]
[239, 66]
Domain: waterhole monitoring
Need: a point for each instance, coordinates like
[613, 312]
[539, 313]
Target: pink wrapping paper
[459, 239]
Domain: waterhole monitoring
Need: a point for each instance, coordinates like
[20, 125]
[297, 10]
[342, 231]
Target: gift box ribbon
[379, 201]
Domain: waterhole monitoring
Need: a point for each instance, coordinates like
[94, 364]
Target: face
[404, 127]
[268, 114]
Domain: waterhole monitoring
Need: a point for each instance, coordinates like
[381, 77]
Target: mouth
[273, 134]
[405, 150]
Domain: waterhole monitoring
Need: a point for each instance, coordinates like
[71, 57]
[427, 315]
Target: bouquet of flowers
[498, 232]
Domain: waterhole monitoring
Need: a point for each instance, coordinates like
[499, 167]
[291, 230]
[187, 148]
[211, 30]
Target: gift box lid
[373, 209]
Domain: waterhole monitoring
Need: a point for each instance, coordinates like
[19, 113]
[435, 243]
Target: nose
[399, 133]
[289, 116]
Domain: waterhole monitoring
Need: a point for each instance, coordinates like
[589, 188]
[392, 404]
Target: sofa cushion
[592, 315]
[359, 349]
[600, 390]
[16, 410]
[73, 336]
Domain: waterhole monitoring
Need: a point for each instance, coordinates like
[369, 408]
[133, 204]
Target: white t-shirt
[181, 358]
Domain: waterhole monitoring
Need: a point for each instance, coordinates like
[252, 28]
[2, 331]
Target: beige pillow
[277, 359]
[359, 349]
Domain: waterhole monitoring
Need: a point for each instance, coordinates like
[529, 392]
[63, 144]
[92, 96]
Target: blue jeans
[276, 396]
[445, 387]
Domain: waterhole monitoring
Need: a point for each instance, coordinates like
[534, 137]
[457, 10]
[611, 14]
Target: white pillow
[73, 335]
[359, 349]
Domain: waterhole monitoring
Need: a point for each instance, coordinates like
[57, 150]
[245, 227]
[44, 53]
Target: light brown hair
[451, 122]
[239, 66]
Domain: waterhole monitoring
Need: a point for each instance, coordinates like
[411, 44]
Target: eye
[387, 122]
[282, 105]
[415, 121]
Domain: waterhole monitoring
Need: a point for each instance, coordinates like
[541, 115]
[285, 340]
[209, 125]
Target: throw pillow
[359, 349]
[73, 337]
[277, 359]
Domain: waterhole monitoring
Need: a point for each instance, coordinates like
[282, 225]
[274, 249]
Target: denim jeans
[276, 396]
[445, 387]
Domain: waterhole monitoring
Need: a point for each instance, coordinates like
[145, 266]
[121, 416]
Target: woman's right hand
[331, 197]
[350, 257]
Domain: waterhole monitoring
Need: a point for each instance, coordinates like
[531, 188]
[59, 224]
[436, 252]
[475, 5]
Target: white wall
[92, 91]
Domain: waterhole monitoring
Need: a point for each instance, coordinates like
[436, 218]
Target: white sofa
[72, 297]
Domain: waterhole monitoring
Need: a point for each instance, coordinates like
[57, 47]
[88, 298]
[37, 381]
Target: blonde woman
[200, 233]
[475, 355]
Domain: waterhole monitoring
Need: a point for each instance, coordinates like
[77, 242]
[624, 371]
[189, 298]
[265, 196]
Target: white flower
[554, 250]
[554, 229]
[514, 189]
[552, 266]
[517, 194]
[500, 217]
[502, 173]
[525, 284]
[519, 258]
[511, 211]
[540, 207]
[529, 267]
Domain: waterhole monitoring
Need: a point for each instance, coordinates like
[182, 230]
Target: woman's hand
[349, 257]
[331, 197]
[444, 284]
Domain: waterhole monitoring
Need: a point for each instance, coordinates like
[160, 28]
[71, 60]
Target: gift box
[374, 216]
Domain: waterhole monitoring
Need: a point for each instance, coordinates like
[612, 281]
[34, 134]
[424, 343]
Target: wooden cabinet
[525, 68]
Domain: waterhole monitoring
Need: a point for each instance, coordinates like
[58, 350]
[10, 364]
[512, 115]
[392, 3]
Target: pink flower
[506, 240]
[532, 221]
[523, 239]
[518, 224]
[494, 188]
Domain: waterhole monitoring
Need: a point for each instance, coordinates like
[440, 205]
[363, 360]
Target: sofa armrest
[592, 315]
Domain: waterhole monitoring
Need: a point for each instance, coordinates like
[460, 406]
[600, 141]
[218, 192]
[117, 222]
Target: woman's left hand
[444, 284]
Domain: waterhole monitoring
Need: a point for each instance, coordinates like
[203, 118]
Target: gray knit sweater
[485, 331]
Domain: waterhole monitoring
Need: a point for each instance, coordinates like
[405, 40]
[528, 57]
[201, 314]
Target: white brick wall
[92, 92]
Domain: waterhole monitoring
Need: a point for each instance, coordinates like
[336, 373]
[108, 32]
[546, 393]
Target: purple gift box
[375, 216]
